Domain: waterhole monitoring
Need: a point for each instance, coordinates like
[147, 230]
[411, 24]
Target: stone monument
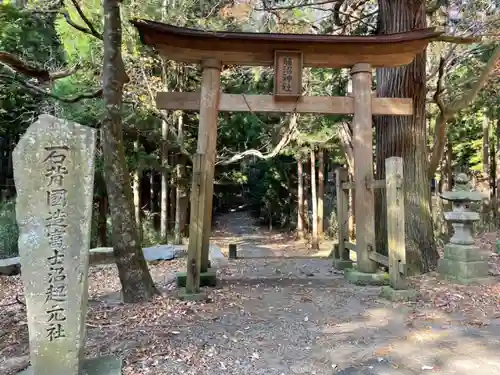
[463, 262]
[54, 177]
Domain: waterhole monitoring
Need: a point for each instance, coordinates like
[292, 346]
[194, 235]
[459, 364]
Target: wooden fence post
[232, 251]
[395, 221]
[342, 259]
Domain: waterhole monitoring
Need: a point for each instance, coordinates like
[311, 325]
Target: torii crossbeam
[288, 53]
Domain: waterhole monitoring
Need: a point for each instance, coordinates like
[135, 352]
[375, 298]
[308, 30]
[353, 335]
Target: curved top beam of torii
[328, 51]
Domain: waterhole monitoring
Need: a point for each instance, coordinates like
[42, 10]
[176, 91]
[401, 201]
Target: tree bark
[321, 192]
[314, 198]
[406, 137]
[136, 281]
[300, 199]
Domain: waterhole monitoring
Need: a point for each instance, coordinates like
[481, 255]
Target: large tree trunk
[321, 192]
[314, 198]
[300, 199]
[406, 137]
[137, 284]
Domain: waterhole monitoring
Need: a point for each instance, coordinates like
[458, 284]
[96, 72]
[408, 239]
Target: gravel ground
[279, 317]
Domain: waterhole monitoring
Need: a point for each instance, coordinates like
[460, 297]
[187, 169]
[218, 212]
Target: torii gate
[289, 53]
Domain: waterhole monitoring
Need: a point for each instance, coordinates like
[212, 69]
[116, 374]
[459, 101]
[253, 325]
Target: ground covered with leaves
[280, 316]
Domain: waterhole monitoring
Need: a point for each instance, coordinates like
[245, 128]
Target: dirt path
[255, 241]
[278, 317]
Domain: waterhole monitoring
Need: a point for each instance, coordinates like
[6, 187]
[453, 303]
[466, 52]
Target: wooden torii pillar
[288, 53]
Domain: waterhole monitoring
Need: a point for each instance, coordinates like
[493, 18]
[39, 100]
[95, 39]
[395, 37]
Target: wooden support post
[195, 229]
[395, 221]
[364, 199]
[342, 176]
[232, 251]
[207, 140]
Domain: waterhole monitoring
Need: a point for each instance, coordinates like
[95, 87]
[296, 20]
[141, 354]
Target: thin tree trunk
[152, 202]
[314, 198]
[321, 192]
[446, 169]
[496, 179]
[164, 183]
[352, 211]
[306, 180]
[300, 199]
[486, 147]
[180, 185]
[406, 137]
[485, 179]
[136, 281]
[103, 225]
[173, 193]
[136, 188]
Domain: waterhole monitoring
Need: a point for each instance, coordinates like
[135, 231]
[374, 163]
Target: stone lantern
[463, 262]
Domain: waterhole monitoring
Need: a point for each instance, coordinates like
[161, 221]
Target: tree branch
[458, 39]
[288, 7]
[448, 112]
[38, 90]
[87, 29]
[345, 136]
[91, 29]
[17, 65]
[285, 140]
[161, 116]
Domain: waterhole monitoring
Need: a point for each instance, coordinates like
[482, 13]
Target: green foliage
[8, 230]
[33, 39]
[271, 190]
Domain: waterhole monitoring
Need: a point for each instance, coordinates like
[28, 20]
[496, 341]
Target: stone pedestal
[208, 278]
[463, 262]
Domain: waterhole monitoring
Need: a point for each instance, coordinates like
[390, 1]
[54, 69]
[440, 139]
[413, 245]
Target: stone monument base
[342, 264]
[356, 277]
[106, 365]
[208, 278]
[464, 264]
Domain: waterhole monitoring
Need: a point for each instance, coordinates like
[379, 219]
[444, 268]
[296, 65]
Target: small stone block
[463, 253]
[360, 278]
[498, 247]
[208, 278]
[398, 295]
[342, 264]
[463, 270]
[182, 294]
[106, 365]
